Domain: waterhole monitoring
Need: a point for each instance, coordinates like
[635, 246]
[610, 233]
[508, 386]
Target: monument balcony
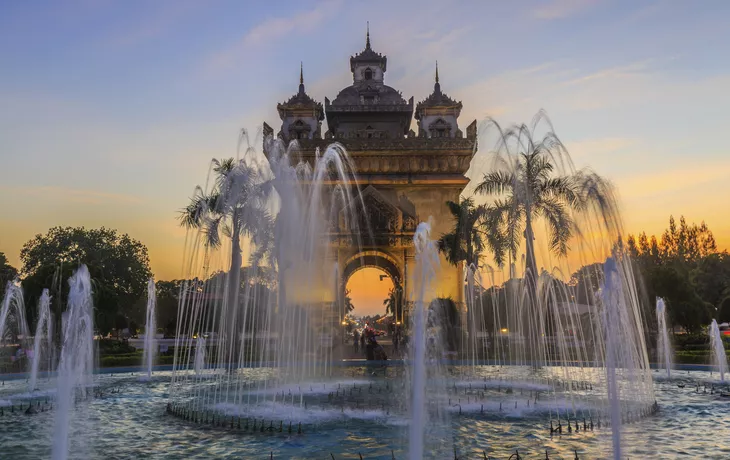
[370, 107]
[396, 240]
[407, 156]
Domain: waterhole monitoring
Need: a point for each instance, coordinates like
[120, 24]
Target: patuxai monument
[363, 273]
[404, 176]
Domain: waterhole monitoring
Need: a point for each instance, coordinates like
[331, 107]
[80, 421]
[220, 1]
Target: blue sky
[111, 110]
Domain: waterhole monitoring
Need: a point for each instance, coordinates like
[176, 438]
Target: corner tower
[437, 114]
[301, 116]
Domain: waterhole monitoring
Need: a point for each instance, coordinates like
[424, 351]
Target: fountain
[664, 346]
[150, 330]
[257, 348]
[13, 326]
[719, 357]
[199, 363]
[75, 367]
[268, 328]
[426, 259]
[43, 329]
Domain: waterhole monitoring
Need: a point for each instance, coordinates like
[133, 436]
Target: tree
[394, 302]
[529, 179]
[118, 265]
[685, 269]
[443, 314]
[234, 209]
[711, 278]
[168, 295]
[467, 239]
[585, 282]
[349, 307]
[7, 273]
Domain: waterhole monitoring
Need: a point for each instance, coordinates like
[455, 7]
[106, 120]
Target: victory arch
[404, 177]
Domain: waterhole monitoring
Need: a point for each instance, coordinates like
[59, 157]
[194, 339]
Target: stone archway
[373, 258]
[393, 266]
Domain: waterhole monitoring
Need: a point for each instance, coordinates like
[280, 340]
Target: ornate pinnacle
[301, 78]
[437, 85]
[367, 37]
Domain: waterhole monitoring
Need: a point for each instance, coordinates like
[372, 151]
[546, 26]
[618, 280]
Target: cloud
[561, 9]
[657, 181]
[272, 30]
[598, 147]
[74, 195]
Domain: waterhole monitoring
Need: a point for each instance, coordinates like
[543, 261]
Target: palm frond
[495, 183]
[562, 188]
[560, 224]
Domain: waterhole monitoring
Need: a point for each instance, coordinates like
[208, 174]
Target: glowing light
[504, 330]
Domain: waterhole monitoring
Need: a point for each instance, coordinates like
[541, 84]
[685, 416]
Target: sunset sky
[111, 111]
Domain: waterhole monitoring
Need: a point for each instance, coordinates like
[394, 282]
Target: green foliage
[467, 240]
[395, 300]
[684, 268]
[114, 347]
[585, 283]
[232, 209]
[7, 273]
[130, 361]
[444, 312]
[118, 264]
[349, 307]
[531, 182]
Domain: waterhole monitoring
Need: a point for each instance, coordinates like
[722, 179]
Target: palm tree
[349, 307]
[233, 208]
[535, 179]
[467, 240]
[394, 302]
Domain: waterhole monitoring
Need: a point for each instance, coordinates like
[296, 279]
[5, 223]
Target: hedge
[128, 361]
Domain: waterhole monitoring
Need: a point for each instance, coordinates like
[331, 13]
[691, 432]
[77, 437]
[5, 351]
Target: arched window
[368, 74]
[439, 128]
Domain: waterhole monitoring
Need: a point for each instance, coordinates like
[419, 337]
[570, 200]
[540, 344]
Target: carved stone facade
[403, 179]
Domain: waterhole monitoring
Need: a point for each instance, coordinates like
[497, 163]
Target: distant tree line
[685, 268]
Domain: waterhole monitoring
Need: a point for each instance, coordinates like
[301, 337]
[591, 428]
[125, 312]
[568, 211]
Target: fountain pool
[127, 419]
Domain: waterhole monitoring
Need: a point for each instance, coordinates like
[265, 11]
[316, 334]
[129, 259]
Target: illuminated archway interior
[369, 287]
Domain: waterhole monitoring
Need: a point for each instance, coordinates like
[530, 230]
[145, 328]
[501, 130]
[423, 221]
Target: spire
[437, 85]
[301, 78]
[367, 37]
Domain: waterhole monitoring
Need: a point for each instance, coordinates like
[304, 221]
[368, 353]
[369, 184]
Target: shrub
[114, 347]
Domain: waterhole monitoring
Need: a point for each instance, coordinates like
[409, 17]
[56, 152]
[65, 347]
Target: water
[42, 349]
[664, 346]
[75, 368]
[611, 299]
[276, 211]
[426, 263]
[719, 358]
[132, 423]
[13, 326]
[200, 361]
[150, 331]
[262, 344]
[282, 313]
